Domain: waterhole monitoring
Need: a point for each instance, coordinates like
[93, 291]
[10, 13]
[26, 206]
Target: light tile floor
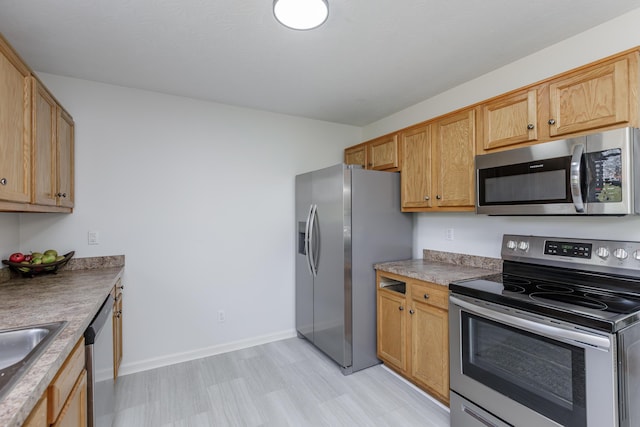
[284, 383]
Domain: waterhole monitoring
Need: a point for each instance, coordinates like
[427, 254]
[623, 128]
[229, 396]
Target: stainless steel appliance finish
[553, 340]
[588, 175]
[99, 362]
[347, 219]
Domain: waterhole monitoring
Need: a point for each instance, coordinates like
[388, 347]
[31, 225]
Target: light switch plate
[93, 238]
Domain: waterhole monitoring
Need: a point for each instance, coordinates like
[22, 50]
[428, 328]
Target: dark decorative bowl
[31, 270]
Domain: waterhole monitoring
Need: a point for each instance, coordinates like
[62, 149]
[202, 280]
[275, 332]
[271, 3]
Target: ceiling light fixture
[301, 14]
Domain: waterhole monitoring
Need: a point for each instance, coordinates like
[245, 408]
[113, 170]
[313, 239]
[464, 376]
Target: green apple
[48, 258]
[51, 252]
[35, 255]
[36, 260]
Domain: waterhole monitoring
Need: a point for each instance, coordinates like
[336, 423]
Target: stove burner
[513, 288]
[620, 303]
[554, 288]
[517, 281]
[568, 298]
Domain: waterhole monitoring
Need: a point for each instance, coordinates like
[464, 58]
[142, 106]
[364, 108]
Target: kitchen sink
[20, 347]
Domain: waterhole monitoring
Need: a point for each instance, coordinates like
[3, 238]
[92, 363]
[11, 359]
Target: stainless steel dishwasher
[99, 361]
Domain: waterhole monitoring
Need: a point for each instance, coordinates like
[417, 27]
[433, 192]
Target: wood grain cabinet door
[44, 146]
[356, 155]
[383, 153]
[430, 348]
[416, 168]
[392, 343]
[15, 126]
[589, 99]
[510, 120]
[65, 159]
[454, 143]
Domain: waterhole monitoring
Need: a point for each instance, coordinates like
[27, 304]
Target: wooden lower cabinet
[413, 332]
[38, 416]
[74, 411]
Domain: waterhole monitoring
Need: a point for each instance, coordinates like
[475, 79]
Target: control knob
[602, 252]
[620, 253]
[511, 244]
[636, 255]
[523, 246]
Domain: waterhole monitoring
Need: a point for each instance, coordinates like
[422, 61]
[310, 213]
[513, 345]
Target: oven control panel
[609, 256]
[570, 249]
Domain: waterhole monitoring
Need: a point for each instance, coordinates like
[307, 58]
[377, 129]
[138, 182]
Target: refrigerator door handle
[312, 243]
[307, 246]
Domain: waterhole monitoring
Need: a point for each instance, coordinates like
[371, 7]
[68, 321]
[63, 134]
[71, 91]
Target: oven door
[529, 370]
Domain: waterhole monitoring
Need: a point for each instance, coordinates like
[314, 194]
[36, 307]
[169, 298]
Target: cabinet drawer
[430, 295]
[61, 386]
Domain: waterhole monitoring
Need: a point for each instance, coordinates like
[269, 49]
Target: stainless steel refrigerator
[347, 219]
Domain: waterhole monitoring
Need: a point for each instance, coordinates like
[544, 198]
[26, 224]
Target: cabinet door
[74, 412]
[65, 166]
[44, 178]
[510, 120]
[38, 415]
[117, 329]
[15, 126]
[392, 329]
[454, 143]
[416, 168]
[430, 348]
[383, 153]
[356, 155]
[590, 99]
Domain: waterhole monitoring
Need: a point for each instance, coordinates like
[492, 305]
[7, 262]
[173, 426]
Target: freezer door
[304, 279]
[331, 298]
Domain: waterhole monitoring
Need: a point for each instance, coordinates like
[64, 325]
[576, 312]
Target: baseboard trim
[171, 359]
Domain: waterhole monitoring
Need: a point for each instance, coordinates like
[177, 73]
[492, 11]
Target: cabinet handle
[401, 308]
[530, 126]
[411, 311]
[370, 164]
[3, 181]
[427, 198]
[61, 194]
[552, 121]
[426, 296]
[438, 197]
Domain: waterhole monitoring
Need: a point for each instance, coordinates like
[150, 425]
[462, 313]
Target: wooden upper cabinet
[510, 120]
[379, 154]
[416, 175]
[356, 155]
[382, 153]
[454, 141]
[44, 146]
[592, 98]
[15, 126]
[52, 150]
[65, 159]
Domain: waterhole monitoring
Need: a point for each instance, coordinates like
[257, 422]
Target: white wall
[200, 199]
[481, 235]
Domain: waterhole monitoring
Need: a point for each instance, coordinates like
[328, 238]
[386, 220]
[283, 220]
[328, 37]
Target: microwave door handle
[574, 177]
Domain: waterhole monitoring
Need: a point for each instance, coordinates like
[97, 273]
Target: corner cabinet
[36, 142]
[52, 150]
[438, 171]
[412, 331]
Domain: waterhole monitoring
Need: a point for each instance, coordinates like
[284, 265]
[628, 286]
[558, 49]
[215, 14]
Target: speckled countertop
[443, 267]
[75, 294]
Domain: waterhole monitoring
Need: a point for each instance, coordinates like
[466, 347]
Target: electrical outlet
[450, 234]
[221, 316]
[93, 238]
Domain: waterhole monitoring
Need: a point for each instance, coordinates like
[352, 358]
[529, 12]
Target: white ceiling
[370, 59]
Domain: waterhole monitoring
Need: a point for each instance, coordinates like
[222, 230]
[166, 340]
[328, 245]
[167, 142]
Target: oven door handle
[580, 339]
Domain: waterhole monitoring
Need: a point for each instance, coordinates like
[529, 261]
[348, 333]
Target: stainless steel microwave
[588, 175]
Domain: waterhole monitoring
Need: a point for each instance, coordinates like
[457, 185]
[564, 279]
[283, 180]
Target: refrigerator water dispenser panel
[301, 237]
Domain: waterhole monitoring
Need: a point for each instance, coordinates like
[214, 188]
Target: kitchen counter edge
[443, 268]
[71, 295]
